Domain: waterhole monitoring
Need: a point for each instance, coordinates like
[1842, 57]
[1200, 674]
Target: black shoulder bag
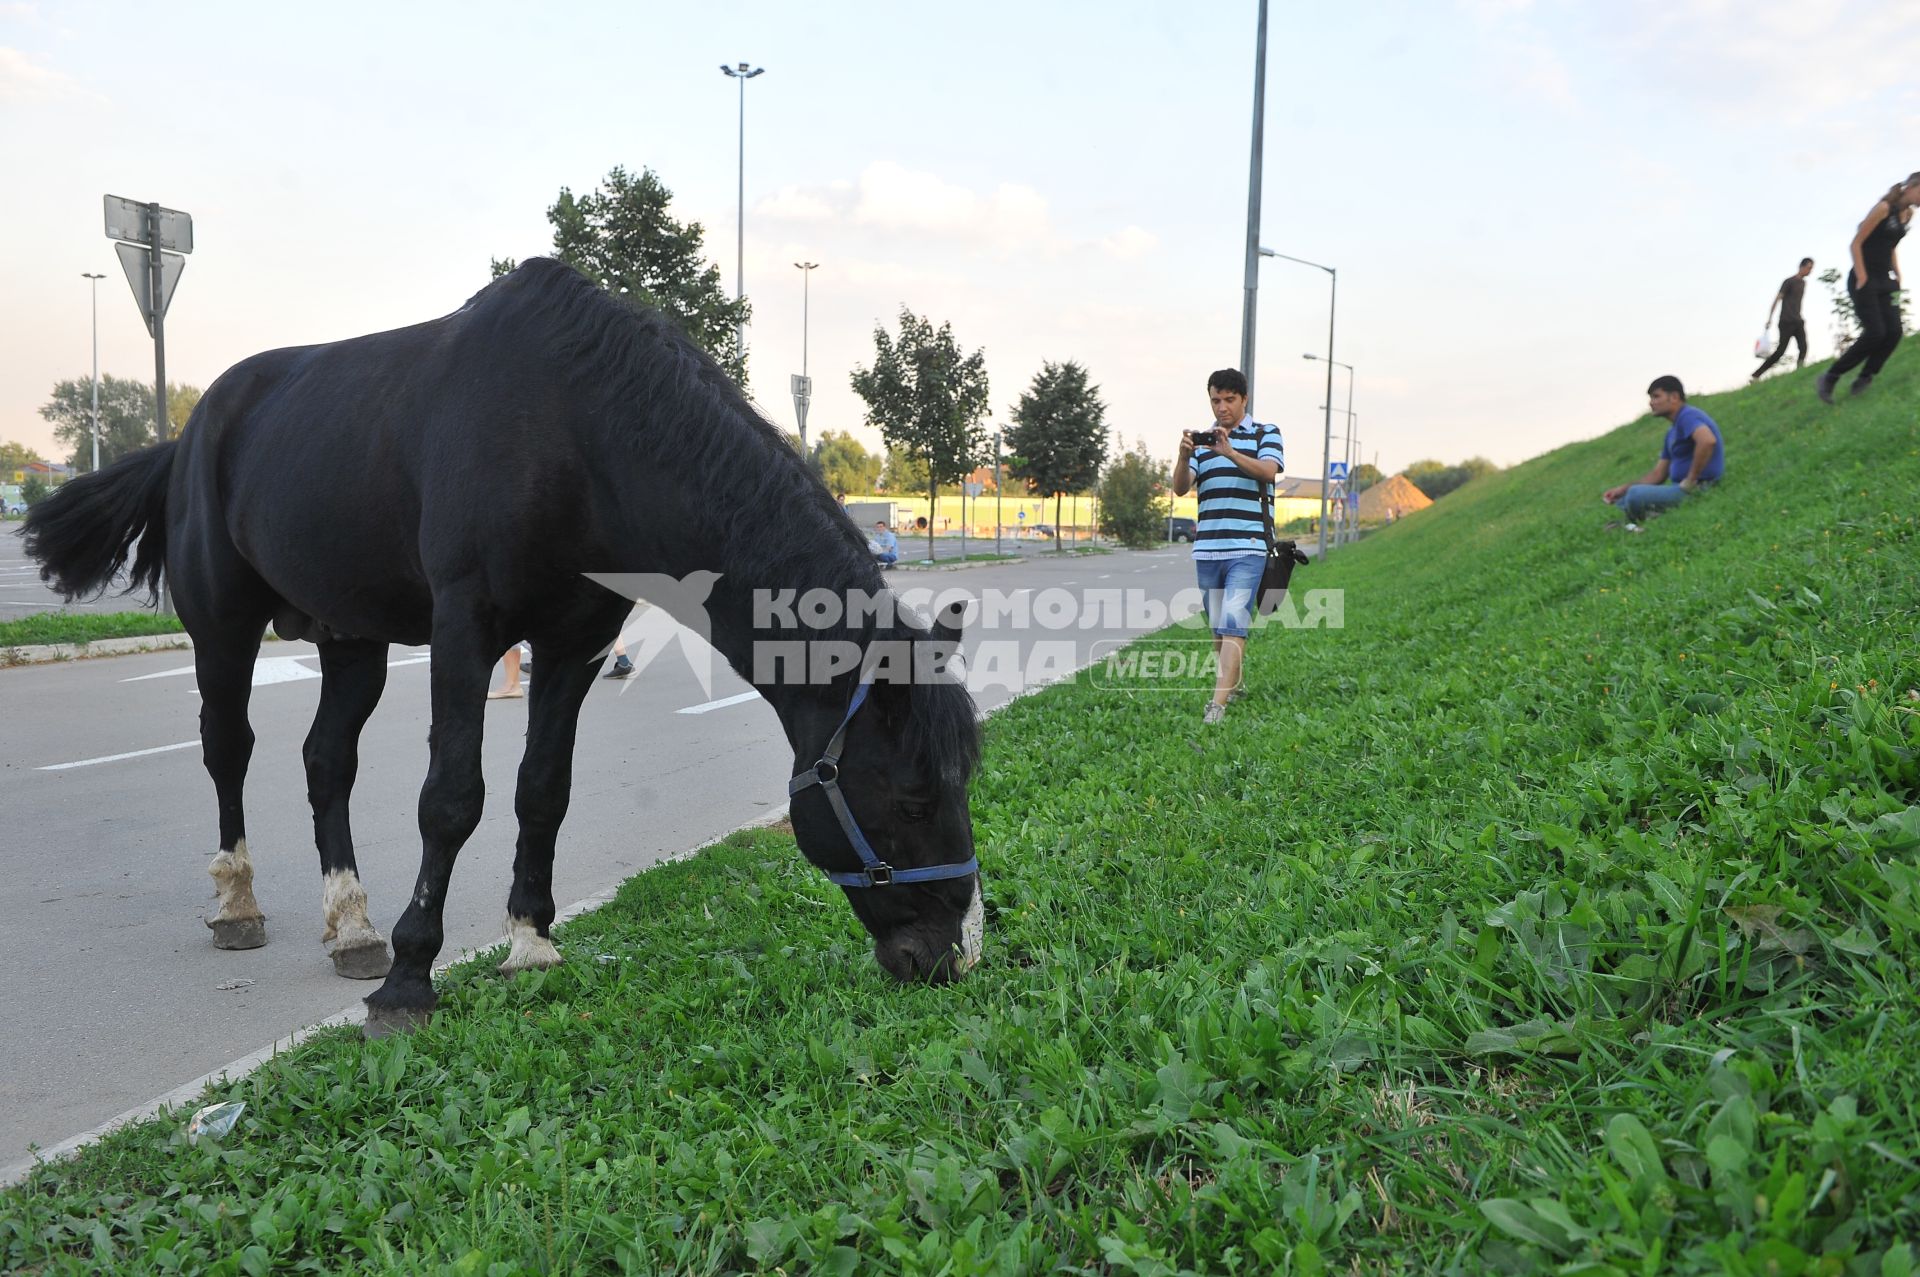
[1282, 558]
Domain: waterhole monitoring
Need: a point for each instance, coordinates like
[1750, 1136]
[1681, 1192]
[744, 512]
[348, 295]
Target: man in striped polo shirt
[1239, 457]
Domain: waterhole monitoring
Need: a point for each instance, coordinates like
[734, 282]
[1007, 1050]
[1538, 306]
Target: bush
[1133, 505]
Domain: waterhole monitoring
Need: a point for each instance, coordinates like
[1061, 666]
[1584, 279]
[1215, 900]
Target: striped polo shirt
[1231, 523]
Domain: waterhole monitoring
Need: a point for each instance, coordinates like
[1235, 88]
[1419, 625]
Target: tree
[126, 418]
[1364, 476]
[903, 473]
[844, 464]
[181, 401]
[32, 490]
[1133, 502]
[15, 456]
[927, 400]
[620, 237]
[1476, 467]
[1436, 478]
[1059, 434]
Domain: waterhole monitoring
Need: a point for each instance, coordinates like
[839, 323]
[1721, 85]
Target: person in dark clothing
[1872, 285]
[1792, 289]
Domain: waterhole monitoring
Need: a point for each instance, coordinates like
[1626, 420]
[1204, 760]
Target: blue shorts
[1227, 587]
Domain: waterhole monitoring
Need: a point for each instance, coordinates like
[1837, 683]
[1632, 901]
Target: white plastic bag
[1763, 344]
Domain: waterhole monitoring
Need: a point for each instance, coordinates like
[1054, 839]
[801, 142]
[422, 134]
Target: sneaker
[1631, 527]
[622, 668]
[1860, 384]
[1824, 387]
[1214, 712]
[1237, 694]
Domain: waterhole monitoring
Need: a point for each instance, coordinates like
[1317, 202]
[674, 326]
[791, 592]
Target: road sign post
[802, 396]
[166, 234]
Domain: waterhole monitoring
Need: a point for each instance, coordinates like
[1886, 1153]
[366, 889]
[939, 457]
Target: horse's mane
[635, 368]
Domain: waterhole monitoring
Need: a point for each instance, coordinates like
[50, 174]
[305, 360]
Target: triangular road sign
[133, 260]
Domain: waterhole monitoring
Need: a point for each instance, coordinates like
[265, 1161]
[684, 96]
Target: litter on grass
[214, 1120]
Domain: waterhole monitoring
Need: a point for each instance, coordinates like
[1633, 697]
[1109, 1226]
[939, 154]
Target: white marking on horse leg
[972, 930]
[232, 873]
[530, 950]
[343, 907]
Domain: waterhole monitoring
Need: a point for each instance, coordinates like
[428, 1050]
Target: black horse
[543, 431]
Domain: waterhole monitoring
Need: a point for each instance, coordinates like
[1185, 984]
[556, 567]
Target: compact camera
[1201, 438]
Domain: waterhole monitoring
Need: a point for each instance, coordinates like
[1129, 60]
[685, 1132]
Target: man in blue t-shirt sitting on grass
[885, 545]
[1691, 457]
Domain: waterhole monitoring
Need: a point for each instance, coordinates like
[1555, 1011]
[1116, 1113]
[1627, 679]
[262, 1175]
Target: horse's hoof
[238, 933]
[363, 962]
[384, 1020]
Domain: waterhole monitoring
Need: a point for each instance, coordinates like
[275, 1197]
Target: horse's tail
[82, 533]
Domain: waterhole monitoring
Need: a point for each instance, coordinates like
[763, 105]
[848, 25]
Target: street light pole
[96, 365]
[996, 494]
[1331, 365]
[1326, 440]
[806, 280]
[1250, 310]
[742, 74]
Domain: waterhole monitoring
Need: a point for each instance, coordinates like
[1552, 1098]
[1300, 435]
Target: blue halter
[876, 872]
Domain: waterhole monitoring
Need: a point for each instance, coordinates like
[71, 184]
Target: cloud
[1800, 57]
[893, 197]
[1130, 242]
[22, 78]
[792, 204]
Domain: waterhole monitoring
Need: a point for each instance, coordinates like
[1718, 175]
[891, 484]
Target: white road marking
[722, 703]
[266, 670]
[114, 758]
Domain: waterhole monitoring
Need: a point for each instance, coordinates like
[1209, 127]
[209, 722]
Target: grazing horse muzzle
[934, 954]
[918, 950]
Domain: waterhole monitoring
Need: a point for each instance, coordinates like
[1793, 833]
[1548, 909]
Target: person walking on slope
[1792, 289]
[1229, 463]
[1872, 286]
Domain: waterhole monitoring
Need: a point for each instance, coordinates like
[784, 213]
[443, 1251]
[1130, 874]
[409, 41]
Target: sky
[1535, 206]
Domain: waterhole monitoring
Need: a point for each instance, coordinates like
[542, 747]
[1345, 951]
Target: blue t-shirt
[1231, 520]
[1678, 449]
[885, 542]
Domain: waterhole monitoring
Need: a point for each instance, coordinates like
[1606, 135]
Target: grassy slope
[1559, 909]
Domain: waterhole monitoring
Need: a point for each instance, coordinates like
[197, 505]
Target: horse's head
[890, 769]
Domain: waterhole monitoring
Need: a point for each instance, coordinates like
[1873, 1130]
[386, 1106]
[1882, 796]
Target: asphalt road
[113, 991]
[22, 594]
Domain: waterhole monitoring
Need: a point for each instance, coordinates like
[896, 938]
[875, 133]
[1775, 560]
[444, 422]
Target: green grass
[1559, 914]
[83, 627]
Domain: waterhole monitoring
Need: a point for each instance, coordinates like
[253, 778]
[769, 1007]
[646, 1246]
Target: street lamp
[96, 365]
[1335, 363]
[742, 74]
[806, 279]
[1250, 310]
[1326, 444]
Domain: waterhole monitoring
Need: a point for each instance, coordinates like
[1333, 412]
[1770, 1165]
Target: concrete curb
[236, 1070]
[43, 653]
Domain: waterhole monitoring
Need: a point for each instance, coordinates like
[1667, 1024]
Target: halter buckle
[826, 771]
[879, 875]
